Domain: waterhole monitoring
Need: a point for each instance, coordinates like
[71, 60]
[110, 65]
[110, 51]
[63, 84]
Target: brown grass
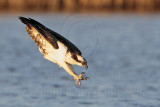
[79, 5]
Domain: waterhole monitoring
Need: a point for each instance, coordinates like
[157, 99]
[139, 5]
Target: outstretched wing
[53, 35]
[39, 33]
[35, 28]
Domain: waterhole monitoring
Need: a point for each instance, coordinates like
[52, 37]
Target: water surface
[123, 54]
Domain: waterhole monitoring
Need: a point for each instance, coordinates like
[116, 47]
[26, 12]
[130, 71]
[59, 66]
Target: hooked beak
[85, 65]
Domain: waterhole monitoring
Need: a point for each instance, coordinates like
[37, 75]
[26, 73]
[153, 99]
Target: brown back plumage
[51, 36]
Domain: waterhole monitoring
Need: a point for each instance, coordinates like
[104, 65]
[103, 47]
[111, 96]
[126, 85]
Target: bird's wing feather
[72, 48]
[55, 36]
[51, 36]
[38, 39]
[32, 24]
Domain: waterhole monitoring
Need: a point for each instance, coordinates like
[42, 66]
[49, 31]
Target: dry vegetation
[79, 5]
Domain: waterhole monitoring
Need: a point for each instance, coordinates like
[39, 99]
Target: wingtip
[23, 19]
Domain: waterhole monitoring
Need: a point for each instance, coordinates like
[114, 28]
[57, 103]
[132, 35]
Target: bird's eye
[84, 63]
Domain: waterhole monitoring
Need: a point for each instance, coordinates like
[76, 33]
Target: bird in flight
[56, 48]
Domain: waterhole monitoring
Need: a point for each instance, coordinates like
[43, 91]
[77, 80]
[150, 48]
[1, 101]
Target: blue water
[123, 54]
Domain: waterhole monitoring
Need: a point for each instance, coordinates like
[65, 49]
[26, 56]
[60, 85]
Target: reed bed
[79, 5]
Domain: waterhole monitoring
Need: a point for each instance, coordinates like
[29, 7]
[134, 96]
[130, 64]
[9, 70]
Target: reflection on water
[122, 52]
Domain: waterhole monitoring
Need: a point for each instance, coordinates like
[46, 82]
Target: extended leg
[78, 82]
[70, 70]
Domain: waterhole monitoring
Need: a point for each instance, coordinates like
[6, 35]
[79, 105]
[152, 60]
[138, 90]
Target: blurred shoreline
[81, 6]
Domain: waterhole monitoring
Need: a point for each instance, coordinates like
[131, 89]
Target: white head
[82, 61]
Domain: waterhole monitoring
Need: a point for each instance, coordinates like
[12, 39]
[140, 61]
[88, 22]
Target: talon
[85, 78]
[78, 80]
[77, 84]
[83, 73]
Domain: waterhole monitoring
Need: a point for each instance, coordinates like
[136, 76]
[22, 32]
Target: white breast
[56, 55]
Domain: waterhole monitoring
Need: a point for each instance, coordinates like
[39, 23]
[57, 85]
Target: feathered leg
[70, 70]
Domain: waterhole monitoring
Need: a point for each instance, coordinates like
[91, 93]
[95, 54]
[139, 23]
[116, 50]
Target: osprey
[56, 48]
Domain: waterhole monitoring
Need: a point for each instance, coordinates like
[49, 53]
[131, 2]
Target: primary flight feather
[56, 48]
